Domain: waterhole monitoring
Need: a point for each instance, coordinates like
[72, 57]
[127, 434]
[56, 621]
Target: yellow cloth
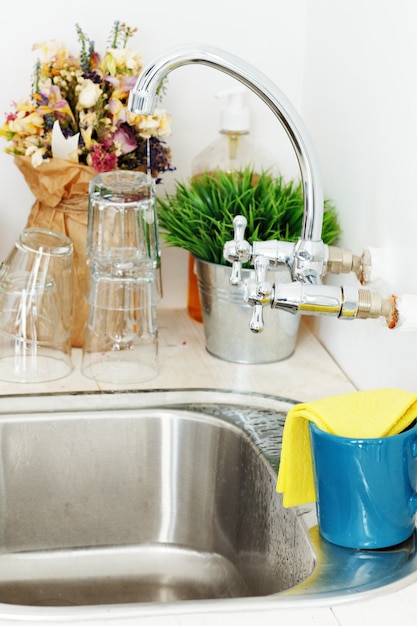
[373, 413]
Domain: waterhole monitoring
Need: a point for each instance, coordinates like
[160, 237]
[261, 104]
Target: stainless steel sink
[160, 502]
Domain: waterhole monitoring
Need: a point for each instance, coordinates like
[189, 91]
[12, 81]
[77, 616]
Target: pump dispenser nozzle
[234, 116]
[232, 150]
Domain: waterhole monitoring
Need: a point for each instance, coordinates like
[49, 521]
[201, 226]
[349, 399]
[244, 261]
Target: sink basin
[161, 502]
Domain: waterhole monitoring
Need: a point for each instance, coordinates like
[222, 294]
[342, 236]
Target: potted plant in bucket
[198, 217]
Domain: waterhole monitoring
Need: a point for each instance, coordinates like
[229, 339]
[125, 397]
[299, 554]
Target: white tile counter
[185, 363]
[307, 375]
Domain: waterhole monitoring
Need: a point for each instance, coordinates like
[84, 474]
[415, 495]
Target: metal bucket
[226, 318]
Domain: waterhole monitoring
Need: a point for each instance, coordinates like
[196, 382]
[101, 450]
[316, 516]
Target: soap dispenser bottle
[231, 151]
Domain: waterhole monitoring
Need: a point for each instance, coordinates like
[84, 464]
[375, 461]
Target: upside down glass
[122, 224]
[121, 340]
[36, 308]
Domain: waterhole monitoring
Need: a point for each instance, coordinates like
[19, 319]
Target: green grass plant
[198, 216]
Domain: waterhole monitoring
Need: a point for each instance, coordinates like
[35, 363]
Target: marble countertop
[310, 373]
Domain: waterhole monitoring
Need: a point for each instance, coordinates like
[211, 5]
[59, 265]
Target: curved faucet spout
[143, 99]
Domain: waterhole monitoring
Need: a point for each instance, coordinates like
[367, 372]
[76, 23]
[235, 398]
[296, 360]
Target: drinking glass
[122, 224]
[36, 308]
[121, 339]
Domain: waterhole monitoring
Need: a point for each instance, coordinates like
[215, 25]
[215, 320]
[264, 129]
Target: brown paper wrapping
[61, 192]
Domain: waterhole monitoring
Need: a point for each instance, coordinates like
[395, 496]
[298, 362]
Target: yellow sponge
[361, 414]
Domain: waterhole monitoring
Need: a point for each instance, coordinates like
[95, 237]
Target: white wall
[349, 68]
[360, 102]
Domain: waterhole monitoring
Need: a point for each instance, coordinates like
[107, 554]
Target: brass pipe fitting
[343, 261]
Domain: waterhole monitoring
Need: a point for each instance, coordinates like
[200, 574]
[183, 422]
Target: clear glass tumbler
[121, 338]
[122, 224]
[36, 308]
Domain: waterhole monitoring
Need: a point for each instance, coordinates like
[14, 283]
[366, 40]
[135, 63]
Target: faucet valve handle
[261, 295]
[237, 251]
[257, 320]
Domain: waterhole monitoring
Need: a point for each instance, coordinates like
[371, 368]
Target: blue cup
[366, 488]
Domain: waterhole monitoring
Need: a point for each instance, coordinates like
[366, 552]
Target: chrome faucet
[310, 252]
[309, 259]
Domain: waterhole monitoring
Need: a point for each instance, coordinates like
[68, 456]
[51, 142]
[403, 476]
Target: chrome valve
[237, 251]
[259, 293]
[345, 302]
